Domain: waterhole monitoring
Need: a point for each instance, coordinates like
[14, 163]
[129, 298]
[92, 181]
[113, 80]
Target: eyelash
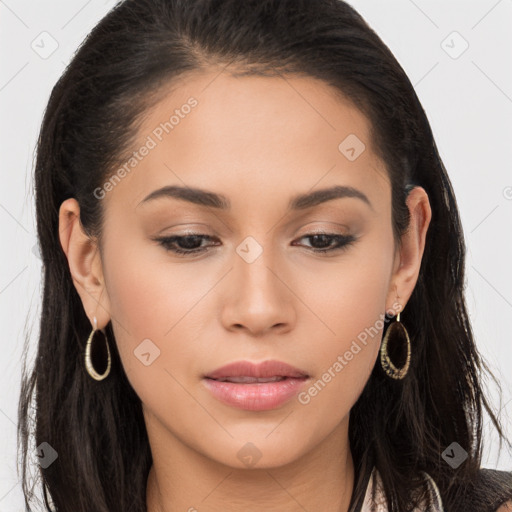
[343, 242]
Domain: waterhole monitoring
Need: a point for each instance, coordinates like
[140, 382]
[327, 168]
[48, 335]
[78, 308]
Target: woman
[254, 272]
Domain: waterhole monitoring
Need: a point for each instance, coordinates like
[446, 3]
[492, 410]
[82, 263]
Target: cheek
[350, 296]
[351, 304]
[152, 305]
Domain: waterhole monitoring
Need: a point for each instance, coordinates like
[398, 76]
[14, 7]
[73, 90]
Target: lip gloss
[259, 396]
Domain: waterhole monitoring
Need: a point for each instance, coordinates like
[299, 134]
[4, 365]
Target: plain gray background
[457, 54]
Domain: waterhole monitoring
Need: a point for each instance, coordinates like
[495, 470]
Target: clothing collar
[379, 504]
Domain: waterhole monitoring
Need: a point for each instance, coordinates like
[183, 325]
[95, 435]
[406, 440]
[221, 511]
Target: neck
[181, 479]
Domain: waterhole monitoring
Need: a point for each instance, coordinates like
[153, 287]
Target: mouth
[251, 380]
[270, 369]
[255, 387]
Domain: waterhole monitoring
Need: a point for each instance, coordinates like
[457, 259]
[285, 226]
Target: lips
[260, 396]
[255, 387]
[251, 380]
[267, 371]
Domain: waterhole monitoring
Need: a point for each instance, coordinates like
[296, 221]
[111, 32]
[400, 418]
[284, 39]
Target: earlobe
[84, 262]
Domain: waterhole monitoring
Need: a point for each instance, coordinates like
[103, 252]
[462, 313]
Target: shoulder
[497, 485]
[491, 491]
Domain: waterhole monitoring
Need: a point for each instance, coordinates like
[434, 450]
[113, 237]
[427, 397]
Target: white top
[380, 502]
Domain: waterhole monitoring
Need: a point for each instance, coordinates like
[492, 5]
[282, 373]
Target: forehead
[265, 134]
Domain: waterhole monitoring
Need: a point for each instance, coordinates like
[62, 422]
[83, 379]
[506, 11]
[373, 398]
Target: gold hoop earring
[88, 361]
[385, 361]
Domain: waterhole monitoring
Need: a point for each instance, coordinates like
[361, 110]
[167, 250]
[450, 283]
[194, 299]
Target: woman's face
[258, 291]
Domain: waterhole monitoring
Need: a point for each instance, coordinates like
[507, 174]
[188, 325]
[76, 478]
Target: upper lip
[269, 368]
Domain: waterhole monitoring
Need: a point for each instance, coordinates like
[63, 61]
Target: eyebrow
[221, 202]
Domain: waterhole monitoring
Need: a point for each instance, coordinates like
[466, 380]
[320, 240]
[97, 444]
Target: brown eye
[187, 244]
[327, 242]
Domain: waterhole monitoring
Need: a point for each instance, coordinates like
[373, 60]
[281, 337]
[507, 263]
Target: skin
[259, 141]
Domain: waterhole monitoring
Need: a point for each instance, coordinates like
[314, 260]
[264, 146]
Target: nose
[257, 297]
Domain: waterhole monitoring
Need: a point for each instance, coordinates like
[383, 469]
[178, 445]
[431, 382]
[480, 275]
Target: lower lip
[261, 396]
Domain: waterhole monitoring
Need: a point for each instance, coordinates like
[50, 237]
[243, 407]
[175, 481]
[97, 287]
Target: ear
[410, 252]
[84, 262]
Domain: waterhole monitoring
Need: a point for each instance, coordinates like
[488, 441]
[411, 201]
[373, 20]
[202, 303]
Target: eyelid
[326, 231]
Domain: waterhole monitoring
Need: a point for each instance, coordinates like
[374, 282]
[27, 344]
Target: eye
[326, 240]
[192, 243]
